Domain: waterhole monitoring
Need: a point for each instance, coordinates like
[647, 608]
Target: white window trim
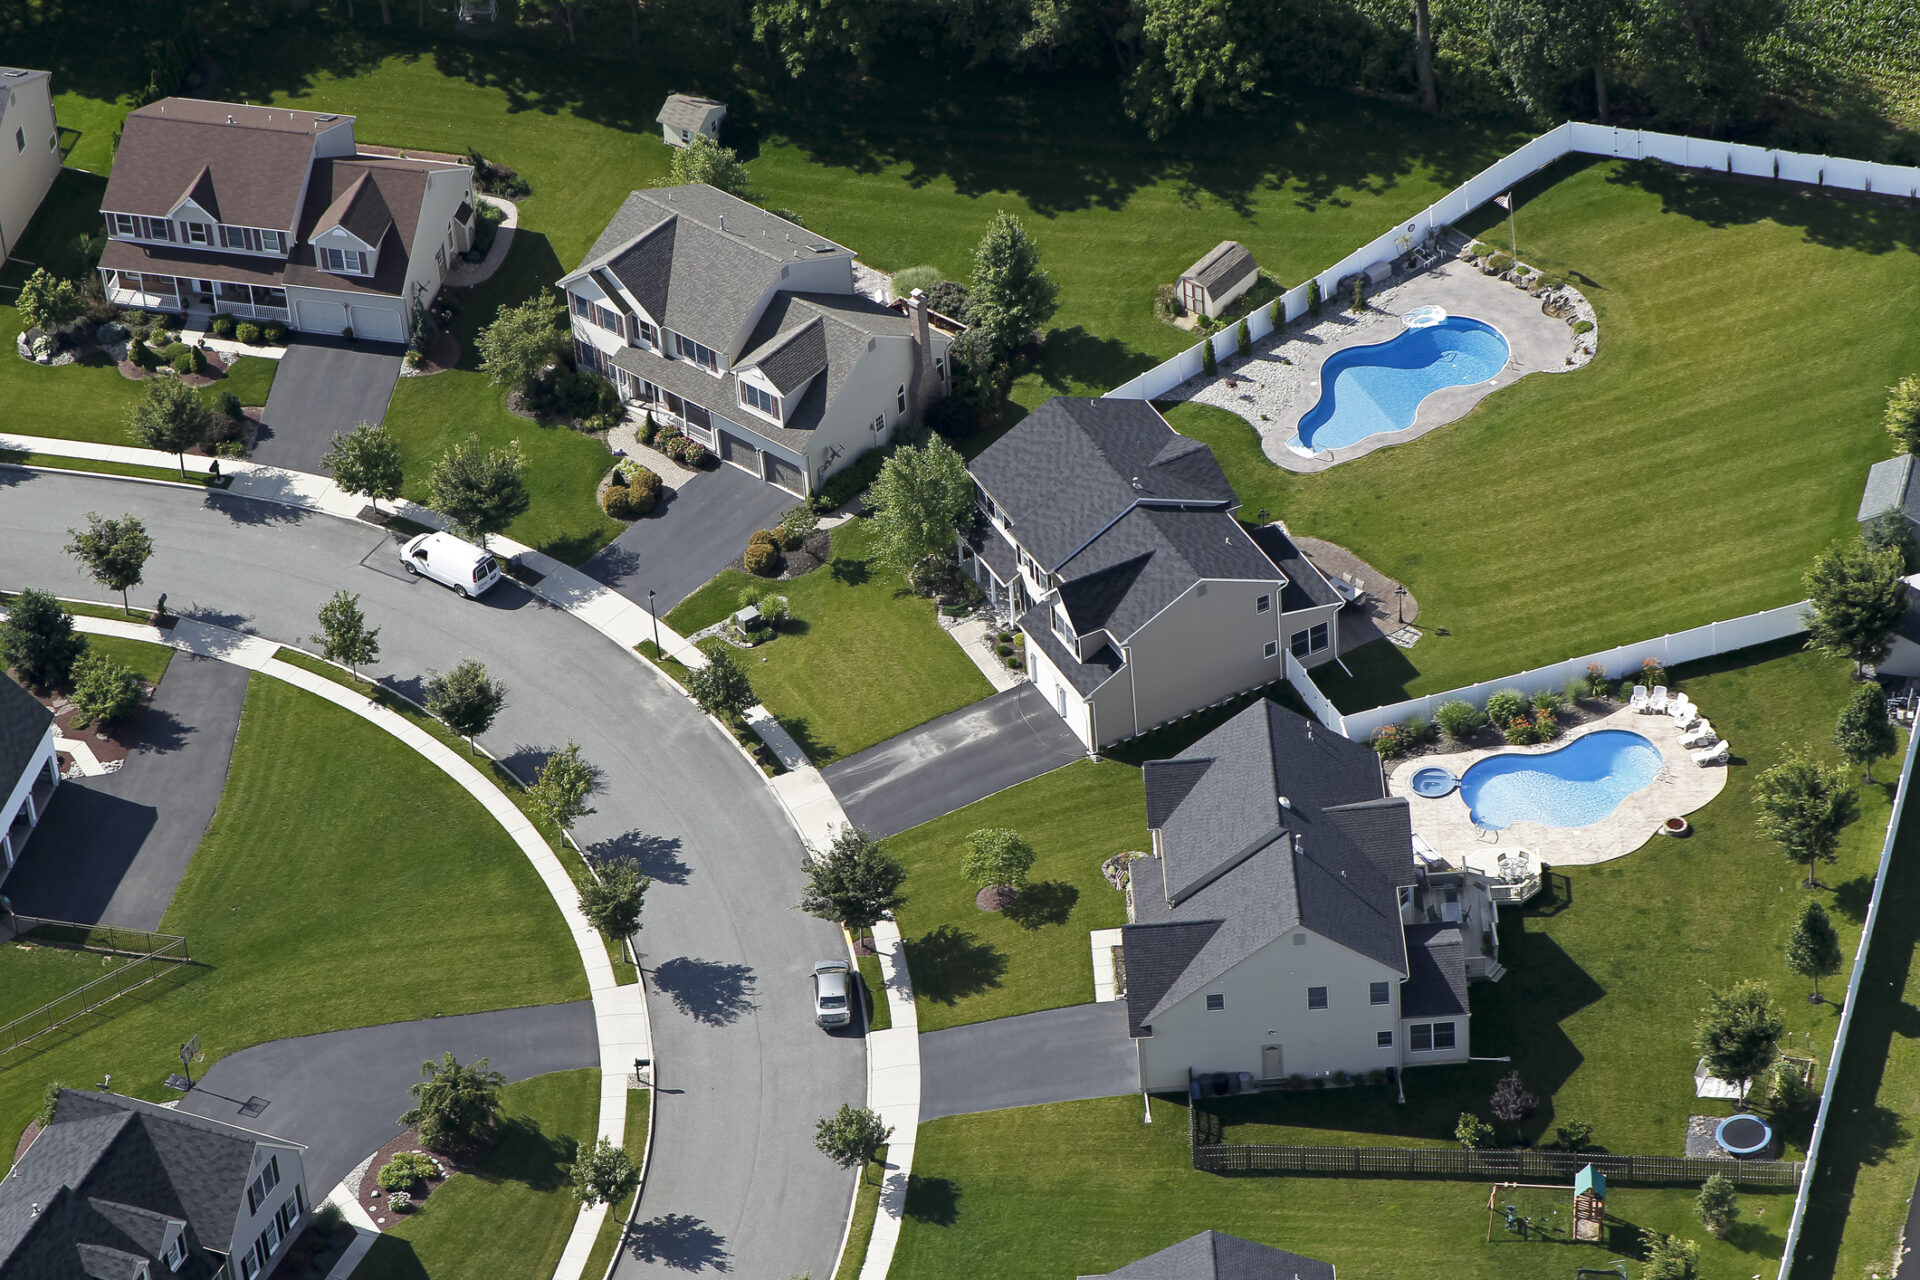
[1270, 649]
[1326, 997]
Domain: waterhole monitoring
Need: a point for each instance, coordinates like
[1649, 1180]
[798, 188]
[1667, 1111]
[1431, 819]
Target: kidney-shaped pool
[1574, 786]
[1365, 391]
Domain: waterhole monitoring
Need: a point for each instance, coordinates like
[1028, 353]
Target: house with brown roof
[685, 114]
[745, 330]
[1210, 285]
[29, 150]
[262, 213]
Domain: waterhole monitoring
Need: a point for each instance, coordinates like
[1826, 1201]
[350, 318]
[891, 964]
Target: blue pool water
[1367, 390]
[1575, 786]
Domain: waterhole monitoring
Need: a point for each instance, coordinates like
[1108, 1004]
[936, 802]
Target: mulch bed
[26, 1140]
[442, 354]
[799, 562]
[996, 897]
[374, 1200]
[1486, 737]
[133, 372]
[119, 736]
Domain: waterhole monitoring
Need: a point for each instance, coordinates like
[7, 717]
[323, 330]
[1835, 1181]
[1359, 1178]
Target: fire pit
[1675, 827]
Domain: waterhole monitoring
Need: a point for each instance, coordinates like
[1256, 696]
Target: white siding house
[29, 150]
[29, 769]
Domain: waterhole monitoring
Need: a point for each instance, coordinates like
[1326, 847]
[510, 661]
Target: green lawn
[1690, 473]
[862, 658]
[150, 660]
[1871, 1152]
[990, 1192]
[344, 882]
[249, 377]
[880, 1014]
[866, 1207]
[970, 965]
[614, 1229]
[511, 1214]
[37, 975]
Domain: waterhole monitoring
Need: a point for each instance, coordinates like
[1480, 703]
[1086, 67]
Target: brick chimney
[922, 385]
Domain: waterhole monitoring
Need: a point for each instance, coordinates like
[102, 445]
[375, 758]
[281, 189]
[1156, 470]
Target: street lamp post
[656, 625]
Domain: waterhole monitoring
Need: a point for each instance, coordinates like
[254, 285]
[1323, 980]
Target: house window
[177, 1252]
[1270, 648]
[609, 320]
[940, 369]
[269, 1179]
[645, 332]
[1383, 1039]
[121, 223]
[1378, 993]
[1425, 1037]
[249, 1266]
[20, 139]
[900, 399]
[1263, 604]
[1312, 640]
[275, 241]
[1316, 997]
[289, 1214]
[1443, 1035]
[755, 398]
[248, 238]
[879, 424]
[581, 307]
[343, 261]
[1216, 1003]
[706, 357]
[142, 228]
[196, 233]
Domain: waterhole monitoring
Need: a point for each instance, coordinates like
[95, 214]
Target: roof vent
[229, 119]
[1309, 731]
[1136, 483]
[1285, 803]
[723, 222]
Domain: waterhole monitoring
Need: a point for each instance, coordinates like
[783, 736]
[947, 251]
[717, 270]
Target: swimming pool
[1575, 786]
[1365, 391]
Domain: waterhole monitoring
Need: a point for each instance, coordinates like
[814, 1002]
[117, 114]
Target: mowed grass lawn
[37, 975]
[514, 1203]
[150, 660]
[344, 882]
[862, 658]
[970, 965]
[990, 1193]
[1721, 438]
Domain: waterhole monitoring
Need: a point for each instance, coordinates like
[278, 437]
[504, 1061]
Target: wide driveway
[1057, 1055]
[736, 1182]
[322, 387]
[696, 531]
[112, 849]
[342, 1093]
[963, 756]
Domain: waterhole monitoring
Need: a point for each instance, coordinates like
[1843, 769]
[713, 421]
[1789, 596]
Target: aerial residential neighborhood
[907, 640]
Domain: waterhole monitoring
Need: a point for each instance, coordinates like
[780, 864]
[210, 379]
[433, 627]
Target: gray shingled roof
[685, 111]
[791, 359]
[1225, 265]
[1149, 558]
[1436, 985]
[1214, 1255]
[23, 727]
[1307, 587]
[1890, 486]
[359, 209]
[987, 543]
[1236, 860]
[1099, 667]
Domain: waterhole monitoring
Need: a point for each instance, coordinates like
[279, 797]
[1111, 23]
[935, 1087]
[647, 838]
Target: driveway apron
[112, 849]
[1056, 1055]
[696, 531]
[321, 388]
[945, 764]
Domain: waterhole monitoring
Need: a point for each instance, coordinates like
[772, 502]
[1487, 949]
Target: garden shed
[1209, 285]
[685, 115]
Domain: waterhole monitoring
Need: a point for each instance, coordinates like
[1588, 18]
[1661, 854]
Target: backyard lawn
[1690, 473]
[861, 659]
[341, 868]
[970, 965]
[989, 1193]
[37, 975]
[509, 1215]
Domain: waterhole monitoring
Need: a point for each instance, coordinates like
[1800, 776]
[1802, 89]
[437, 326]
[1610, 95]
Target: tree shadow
[656, 857]
[1047, 902]
[800, 729]
[709, 991]
[1851, 898]
[1831, 217]
[1075, 362]
[678, 1241]
[161, 731]
[523, 1152]
[949, 964]
[934, 1201]
[850, 573]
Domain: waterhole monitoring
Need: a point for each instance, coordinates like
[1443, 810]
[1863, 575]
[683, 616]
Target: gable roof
[1149, 558]
[250, 161]
[1225, 265]
[23, 727]
[1238, 869]
[685, 111]
[359, 207]
[1214, 1255]
[102, 1183]
[1891, 485]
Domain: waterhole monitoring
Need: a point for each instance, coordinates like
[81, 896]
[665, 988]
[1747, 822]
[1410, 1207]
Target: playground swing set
[1527, 1217]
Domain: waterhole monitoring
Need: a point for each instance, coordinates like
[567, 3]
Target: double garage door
[375, 324]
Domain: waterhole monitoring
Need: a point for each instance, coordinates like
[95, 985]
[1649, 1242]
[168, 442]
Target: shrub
[1583, 326]
[1421, 729]
[222, 326]
[1359, 294]
[849, 483]
[400, 1202]
[765, 537]
[1390, 740]
[1500, 263]
[412, 358]
[693, 453]
[1574, 690]
[648, 429]
[1314, 300]
[225, 434]
[1652, 672]
[1243, 337]
[1597, 682]
[1574, 1135]
[1519, 731]
[1458, 718]
[797, 524]
[949, 298]
[405, 1169]
[1506, 706]
[140, 355]
[1549, 701]
[227, 405]
[1208, 364]
[643, 490]
[617, 502]
[274, 332]
[248, 332]
[183, 362]
[762, 559]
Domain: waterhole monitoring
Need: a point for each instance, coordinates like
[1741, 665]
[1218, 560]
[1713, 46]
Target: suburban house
[29, 150]
[1215, 1255]
[1283, 924]
[1209, 285]
[267, 214]
[1112, 538]
[684, 115]
[29, 769]
[745, 330]
[127, 1190]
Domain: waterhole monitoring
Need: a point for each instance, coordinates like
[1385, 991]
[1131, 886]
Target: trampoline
[1433, 782]
[1744, 1135]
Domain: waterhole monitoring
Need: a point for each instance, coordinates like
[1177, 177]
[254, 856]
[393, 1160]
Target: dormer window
[760, 401]
[176, 1252]
[196, 232]
[704, 356]
[343, 261]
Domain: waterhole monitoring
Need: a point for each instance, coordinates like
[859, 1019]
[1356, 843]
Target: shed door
[1270, 1067]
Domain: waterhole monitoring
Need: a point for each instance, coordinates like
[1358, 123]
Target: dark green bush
[1583, 326]
[1209, 365]
[848, 483]
[1458, 718]
[274, 332]
[762, 560]
[248, 332]
[222, 326]
[1506, 706]
[1314, 300]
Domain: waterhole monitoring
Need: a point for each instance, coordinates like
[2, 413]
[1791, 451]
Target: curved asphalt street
[735, 1183]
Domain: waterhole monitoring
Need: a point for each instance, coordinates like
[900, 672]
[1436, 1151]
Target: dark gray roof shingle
[1214, 1255]
[1436, 985]
[685, 111]
[1225, 265]
[1307, 587]
[1085, 676]
[1149, 558]
[23, 727]
[1891, 487]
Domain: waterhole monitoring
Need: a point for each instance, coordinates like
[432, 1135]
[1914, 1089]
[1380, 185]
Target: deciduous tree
[171, 418]
[1803, 805]
[466, 699]
[1198, 56]
[480, 490]
[997, 857]
[1739, 1032]
[1472, 1132]
[1858, 601]
[1903, 414]
[1863, 733]
[562, 786]
[1513, 1102]
[720, 687]
[602, 1173]
[1668, 1258]
[523, 339]
[46, 302]
[1717, 1204]
[37, 639]
[853, 882]
[613, 901]
[704, 160]
[344, 633]
[104, 690]
[455, 1104]
[1813, 949]
[114, 552]
[366, 461]
[852, 1136]
[919, 499]
[807, 35]
[1010, 296]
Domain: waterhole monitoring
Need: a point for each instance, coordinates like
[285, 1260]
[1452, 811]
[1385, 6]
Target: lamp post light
[656, 625]
[1401, 592]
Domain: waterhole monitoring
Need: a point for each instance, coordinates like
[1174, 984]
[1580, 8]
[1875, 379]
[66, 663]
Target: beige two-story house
[1283, 924]
[267, 214]
[1112, 538]
[745, 330]
[29, 150]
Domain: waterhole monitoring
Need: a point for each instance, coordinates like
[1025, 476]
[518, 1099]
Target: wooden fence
[1508, 1165]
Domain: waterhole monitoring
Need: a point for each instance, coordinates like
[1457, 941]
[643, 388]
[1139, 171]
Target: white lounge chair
[1681, 710]
[1702, 736]
[1638, 702]
[1715, 754]
[1657, 704]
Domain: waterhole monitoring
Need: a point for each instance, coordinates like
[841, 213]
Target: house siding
[248, 1226]
[26, 175]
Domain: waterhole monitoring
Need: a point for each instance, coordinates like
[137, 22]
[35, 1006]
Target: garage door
[378, 324]
[319, 317]
[786, 475]
[737, 451]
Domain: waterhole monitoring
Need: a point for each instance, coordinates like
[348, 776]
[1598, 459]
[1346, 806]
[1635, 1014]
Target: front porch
[191, 296]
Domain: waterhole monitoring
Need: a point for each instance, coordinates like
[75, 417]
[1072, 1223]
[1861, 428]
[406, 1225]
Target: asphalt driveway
[696, 531]
[945, 764]
[322, 388]
[1057, 1055]
[342, 1093]
[112, 849]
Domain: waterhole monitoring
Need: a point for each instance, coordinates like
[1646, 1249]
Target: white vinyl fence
[1502, 175]
[1622, 660]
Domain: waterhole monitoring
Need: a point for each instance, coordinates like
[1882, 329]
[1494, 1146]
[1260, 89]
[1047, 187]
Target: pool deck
[1678, 789]
[1280, 381]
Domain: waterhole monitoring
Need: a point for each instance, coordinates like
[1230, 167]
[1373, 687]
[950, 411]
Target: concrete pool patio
[1276, 385]
[1680, 788]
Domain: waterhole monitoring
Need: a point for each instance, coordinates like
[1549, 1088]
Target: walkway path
[341, 1093]
[464, 273]
[112, 849]
[1056, 1055]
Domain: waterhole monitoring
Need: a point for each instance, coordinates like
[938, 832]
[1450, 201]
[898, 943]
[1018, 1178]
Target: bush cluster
[567, 393]
[677, 445]
[1583, 326]
[1500, 263]
[1390, 740]
[274, 332]
[405, 1169]
[1506, 706]
[797, 524]
[848, 483]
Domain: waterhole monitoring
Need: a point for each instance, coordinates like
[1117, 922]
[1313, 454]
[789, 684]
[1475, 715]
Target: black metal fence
[149, 956]
[1506, 1165]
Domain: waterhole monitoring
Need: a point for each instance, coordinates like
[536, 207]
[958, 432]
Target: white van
[468, 569]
